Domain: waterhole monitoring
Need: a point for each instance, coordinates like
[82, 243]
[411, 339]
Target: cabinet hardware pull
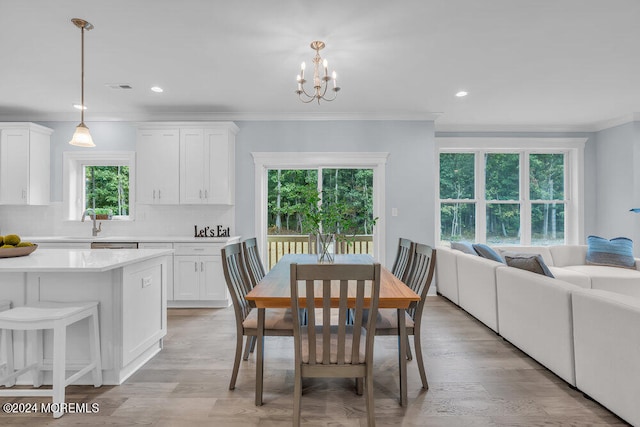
[159, 195]
[201, 266]
[195, 266]
[206, 194]
[201, 194]
[154, 194]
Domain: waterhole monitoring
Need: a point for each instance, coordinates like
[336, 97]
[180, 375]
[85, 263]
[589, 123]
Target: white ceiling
[527, 64]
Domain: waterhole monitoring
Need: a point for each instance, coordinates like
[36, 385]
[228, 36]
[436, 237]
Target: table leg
[402, 355]
[260, 357]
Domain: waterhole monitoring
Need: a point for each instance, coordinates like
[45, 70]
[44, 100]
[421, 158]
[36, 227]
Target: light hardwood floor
[476, 379]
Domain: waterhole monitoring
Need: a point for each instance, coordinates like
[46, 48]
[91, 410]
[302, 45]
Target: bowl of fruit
[12, 246]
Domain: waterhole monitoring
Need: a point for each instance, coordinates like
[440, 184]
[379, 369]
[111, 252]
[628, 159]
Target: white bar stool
[4, 305]
[56, 316]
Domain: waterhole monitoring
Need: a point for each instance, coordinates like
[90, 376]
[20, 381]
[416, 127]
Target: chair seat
[388, 319]
[274, 318]
[48, 311]
[304, 336]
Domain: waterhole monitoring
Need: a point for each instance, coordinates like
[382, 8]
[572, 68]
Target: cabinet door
[220, 169]
[186, 284]
[212, 285]
[14, 166]
[192, 166]
[158, 165]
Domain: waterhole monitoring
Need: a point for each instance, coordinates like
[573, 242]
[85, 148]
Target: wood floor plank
[476, 379]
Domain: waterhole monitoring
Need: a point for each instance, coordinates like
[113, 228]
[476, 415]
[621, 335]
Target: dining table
[274, 291]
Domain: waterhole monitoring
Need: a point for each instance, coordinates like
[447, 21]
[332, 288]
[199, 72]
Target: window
[365, 170]
[101, 181]
[508, 195]
[106, 190]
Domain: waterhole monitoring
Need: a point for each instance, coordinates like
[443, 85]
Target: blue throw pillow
[616, 252]
[486, 252]
[465, 247]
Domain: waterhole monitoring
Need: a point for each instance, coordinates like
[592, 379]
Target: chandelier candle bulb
[302, 67]
[325, 64]
[335, 77]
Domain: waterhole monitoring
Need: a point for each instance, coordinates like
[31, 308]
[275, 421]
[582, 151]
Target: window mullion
[525, 206]
[481, 204]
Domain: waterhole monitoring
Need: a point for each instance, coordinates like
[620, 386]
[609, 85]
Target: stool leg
[35, 355]
[94, 343]
[59, 365]
[7, 338]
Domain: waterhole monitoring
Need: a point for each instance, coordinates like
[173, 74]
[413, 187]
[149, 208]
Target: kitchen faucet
[92, 214]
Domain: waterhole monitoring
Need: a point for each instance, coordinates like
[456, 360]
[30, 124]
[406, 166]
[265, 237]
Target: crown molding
[223, 116]
[513, 128]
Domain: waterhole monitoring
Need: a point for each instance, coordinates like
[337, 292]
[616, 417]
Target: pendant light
[82, 137]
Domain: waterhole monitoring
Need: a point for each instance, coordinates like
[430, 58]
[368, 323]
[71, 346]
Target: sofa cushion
[466, 247]
[616, 252]
[529, 262]
[564, 255]
[574, 277]
[486, 252]
[620, 280]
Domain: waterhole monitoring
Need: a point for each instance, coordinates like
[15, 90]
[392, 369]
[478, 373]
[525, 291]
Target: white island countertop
[74, 260]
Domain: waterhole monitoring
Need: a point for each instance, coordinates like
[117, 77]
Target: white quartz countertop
[119, 239]
[78, 260]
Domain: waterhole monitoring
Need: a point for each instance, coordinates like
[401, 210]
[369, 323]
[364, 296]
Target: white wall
[618, 182]
[410, 182]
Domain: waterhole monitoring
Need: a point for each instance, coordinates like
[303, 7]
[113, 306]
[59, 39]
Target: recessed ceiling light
[462, 93]
[157, 89]
[79, 107]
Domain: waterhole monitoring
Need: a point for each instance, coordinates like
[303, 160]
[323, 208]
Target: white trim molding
[264, 161]
[72, 179]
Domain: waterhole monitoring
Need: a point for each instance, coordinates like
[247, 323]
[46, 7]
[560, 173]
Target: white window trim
[73, 182]
[574, 175]
[309, 160]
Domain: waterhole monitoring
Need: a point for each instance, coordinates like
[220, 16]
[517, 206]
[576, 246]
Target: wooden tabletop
[274, 290]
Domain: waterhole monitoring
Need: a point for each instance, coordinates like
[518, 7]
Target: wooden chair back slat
[255, 268]
[420, 276]
[237, 279]
[403, 259]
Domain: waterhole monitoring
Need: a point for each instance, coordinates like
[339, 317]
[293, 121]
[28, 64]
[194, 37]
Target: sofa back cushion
[565, 255]
[617, 252]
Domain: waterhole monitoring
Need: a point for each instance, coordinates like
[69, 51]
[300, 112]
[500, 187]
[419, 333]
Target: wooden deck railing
[279, 245]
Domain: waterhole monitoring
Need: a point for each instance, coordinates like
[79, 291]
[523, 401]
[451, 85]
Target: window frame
[74, 180]
[263, 161]
[573, 150]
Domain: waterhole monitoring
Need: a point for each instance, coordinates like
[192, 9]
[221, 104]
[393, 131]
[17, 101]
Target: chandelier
[320, 83]
[82, 137]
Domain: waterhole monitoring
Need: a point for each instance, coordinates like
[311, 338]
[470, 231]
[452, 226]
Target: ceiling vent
[119, 86]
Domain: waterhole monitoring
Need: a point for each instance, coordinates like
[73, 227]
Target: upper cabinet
[158, 173]
[198, 159]
[207, 163]
[25, 163]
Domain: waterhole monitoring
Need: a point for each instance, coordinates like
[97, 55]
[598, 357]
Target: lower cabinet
[198, 276]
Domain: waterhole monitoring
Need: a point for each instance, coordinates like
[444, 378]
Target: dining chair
[328, 347]
[418, 278]
[255, 268]
[403, 259]
[278, 322]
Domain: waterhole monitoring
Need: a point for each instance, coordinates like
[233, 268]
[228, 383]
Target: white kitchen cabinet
[207, 165]
[25, 163]
[158, 166]
[198, 275]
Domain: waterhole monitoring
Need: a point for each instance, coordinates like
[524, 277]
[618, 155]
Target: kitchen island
[130, 285]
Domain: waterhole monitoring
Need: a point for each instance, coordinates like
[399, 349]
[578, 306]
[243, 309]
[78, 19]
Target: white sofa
[588, 337]
[534, 313]
[607, 350]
